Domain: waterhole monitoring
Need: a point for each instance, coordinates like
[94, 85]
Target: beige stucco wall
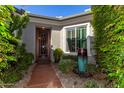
[55, 39]
[28, 38]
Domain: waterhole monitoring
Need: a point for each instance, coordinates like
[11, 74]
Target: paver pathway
[44, 76]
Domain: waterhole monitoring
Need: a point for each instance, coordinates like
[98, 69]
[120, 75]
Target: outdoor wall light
[43, 27]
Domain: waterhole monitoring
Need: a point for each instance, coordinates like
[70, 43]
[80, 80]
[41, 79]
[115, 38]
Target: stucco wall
[55, 39]
[28, 38]
[90, 45]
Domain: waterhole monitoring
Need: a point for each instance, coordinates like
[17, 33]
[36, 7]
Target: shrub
[24, 63]
[108, 24]
[13, 58]
[66, 66]
[57, 54]
[91, 67]
[6, 38]
[13, 76]
[90, 84]
[72, 57]
[24, 59]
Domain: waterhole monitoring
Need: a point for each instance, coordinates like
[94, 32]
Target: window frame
[72, 29]
[64, 36]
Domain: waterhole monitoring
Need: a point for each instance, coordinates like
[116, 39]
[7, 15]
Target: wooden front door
[43, 45]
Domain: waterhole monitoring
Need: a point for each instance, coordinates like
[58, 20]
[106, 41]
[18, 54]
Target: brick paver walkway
[44, 76]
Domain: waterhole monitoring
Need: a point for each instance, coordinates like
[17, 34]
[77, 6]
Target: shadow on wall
[92, 49]
[92, 58]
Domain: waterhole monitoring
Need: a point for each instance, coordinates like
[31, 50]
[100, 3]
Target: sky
[54, 10]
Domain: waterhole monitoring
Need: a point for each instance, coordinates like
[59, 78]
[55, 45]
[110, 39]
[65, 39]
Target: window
[75, 38]
[70, 40]
[81, 37]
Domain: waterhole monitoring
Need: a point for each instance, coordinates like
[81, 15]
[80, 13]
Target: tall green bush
[14, 59]
[108, 24]
[7, 48]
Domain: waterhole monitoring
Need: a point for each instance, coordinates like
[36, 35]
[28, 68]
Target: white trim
[82, 24]
[71, 53]
[77, 25]
[75, 39]
[88, 39]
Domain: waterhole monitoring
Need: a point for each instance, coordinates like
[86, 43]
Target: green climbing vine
[108, 24]
[14, 59]
[6, 47]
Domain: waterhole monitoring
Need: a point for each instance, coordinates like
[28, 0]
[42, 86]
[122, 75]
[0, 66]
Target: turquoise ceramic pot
[82, 64]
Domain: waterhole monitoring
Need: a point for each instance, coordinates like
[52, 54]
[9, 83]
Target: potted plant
[57, 54]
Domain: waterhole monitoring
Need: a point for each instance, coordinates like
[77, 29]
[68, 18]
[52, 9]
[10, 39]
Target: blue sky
[54, 10]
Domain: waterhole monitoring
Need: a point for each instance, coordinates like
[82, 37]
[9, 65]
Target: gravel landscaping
[72, 80]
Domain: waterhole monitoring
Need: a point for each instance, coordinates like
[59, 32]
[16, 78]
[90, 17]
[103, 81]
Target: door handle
[43, 46]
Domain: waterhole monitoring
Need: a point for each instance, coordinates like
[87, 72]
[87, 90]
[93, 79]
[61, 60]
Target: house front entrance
[43, 45]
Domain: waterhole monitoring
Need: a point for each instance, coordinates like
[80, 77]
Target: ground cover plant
[66, 65]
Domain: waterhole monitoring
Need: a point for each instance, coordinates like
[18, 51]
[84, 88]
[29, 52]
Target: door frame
[37, 44]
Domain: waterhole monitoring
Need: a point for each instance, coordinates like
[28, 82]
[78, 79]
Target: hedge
[14, 59]
[108, 24]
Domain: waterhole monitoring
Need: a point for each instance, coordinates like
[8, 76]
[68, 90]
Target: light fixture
[43, 27]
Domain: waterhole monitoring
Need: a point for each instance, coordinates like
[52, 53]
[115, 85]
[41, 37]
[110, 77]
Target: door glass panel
[44, 48]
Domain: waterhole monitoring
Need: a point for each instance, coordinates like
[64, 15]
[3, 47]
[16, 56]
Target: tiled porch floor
[44, 76]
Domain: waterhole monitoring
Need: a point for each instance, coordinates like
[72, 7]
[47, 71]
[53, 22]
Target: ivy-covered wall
[108, 24]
